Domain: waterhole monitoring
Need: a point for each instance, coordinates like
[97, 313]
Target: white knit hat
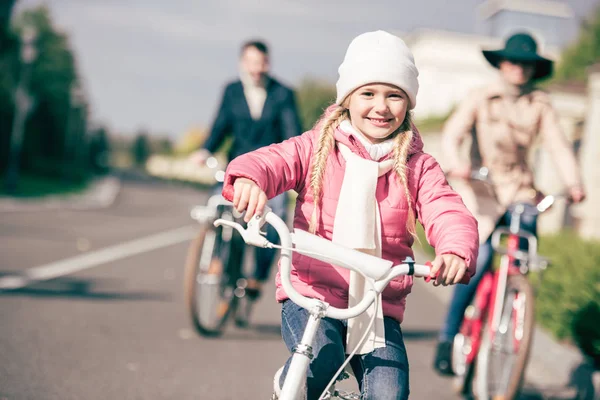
[378, 57]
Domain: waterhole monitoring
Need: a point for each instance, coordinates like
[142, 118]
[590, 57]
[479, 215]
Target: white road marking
[99, 257]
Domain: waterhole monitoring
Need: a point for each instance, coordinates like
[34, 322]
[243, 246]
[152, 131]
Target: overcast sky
[162, 64]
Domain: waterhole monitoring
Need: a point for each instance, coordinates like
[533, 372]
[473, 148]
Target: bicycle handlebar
[483, 175]
[376, 270]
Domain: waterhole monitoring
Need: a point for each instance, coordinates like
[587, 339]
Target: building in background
[552, 21]
[451, 64]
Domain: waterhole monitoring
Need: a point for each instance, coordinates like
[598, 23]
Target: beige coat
[503, 126]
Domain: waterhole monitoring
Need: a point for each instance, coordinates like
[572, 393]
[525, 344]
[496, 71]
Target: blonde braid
[325, 144]
[402, 145]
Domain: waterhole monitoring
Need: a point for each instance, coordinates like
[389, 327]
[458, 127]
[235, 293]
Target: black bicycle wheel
[210, 279]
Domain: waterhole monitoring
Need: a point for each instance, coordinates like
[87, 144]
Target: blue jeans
[463, 294]
[381, 374]
[264, 257]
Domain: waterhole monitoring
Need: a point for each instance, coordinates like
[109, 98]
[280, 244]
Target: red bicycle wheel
[504, 352]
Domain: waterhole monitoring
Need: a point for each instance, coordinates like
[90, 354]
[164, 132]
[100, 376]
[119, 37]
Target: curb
[558, 371]
[101, 193]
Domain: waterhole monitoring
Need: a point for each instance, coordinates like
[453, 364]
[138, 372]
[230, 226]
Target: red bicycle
[491, 350]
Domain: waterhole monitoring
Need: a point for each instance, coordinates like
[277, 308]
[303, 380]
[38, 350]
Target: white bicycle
[377, 272]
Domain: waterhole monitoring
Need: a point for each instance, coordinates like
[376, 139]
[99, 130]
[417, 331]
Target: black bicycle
[214, 283]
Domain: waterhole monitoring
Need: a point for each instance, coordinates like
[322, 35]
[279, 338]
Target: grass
[30, 186]
[431, 124]
[424, 245]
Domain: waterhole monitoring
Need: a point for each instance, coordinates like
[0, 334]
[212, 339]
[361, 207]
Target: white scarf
[358, 225]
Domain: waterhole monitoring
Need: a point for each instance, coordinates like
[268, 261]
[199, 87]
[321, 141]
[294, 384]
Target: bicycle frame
[215, 279]
[216, 208]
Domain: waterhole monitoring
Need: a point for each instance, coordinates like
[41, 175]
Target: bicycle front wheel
[504, 353]
[208, 287]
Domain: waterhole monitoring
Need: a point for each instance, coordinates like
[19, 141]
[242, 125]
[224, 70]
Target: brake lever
[252, 234]
[429, 278]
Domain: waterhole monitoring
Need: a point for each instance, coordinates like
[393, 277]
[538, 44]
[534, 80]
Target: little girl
[362, 180]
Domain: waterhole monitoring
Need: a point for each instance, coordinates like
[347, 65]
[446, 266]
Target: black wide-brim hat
[521, 47]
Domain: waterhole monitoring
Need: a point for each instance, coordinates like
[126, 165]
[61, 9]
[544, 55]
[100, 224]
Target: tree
[8, 78]
[314, 96]
[6, 7]
[583, 53]
[162, 145]
[140, 149]
[53, 75]
[99, 150]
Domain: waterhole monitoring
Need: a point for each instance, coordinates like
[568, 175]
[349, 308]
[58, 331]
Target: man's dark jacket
[279, 120]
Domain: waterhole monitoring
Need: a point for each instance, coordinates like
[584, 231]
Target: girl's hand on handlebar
[249, 197]
[447, 269]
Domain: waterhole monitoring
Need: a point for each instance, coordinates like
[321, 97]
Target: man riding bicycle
[503, 119]
[256, 110]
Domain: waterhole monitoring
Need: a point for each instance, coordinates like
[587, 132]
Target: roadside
[100, 193]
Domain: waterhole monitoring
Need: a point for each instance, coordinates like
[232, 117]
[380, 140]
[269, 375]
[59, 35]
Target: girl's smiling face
[377, 110]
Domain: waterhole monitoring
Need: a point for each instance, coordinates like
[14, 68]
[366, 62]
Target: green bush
[432, 124]
[581, 54]
[568, 293]
[31, 186]
[313, 96]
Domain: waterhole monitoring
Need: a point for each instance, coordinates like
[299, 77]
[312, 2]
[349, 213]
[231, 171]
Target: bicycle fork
[476, 315]
[501, 315]
[293, 387]
[500, 293]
